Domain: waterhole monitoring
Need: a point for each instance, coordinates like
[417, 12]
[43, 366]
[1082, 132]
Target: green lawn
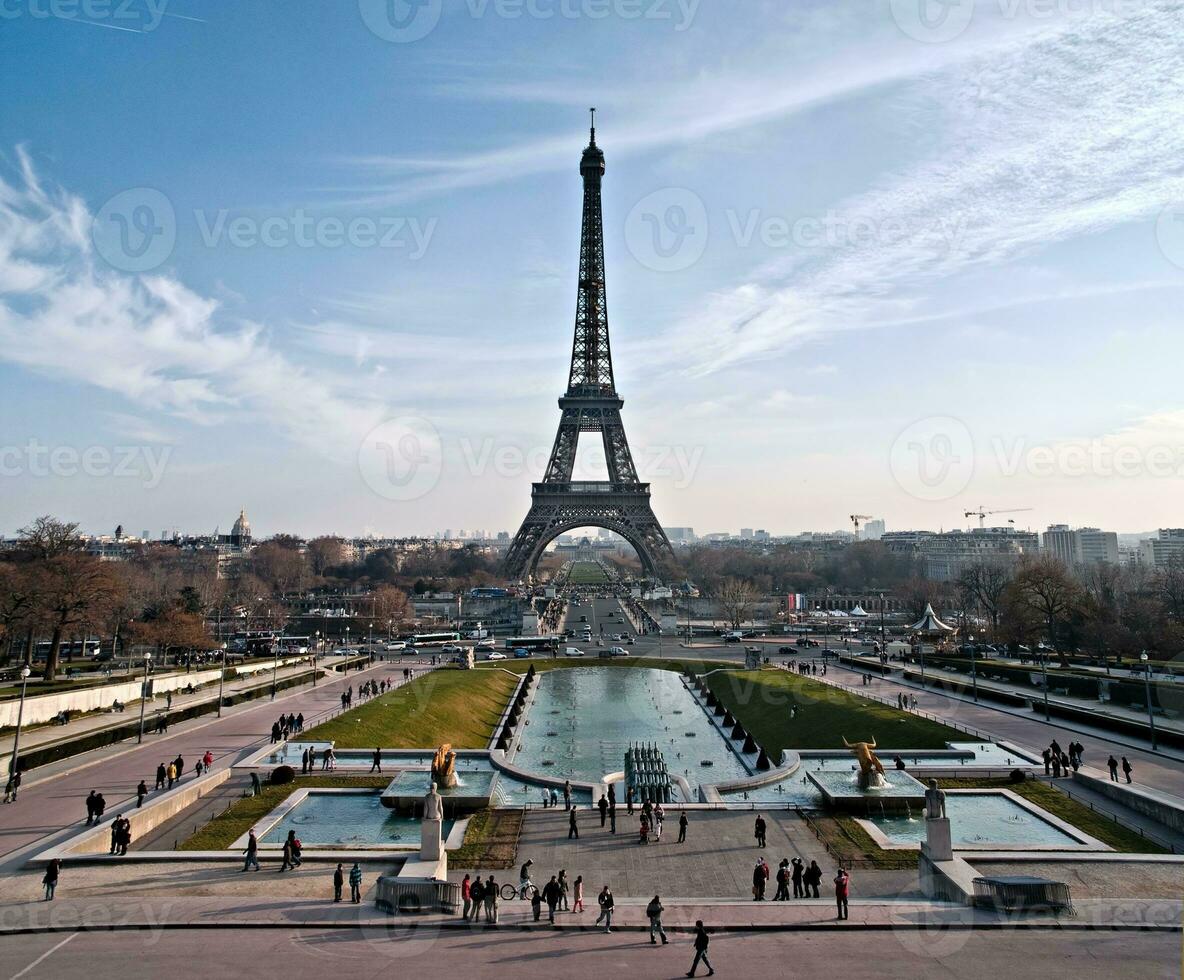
[587, 573]
[1059, 805]
[229, 826]
[824, 715]
[457, 706]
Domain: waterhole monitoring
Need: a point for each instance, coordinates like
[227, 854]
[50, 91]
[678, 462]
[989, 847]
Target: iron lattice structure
[591, 404]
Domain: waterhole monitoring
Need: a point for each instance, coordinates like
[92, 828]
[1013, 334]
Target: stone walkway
[717, 859]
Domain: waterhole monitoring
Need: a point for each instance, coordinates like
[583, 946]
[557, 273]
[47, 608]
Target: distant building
[745, 534]
[945, 555]
[1080, 546]
[1158, 551]
[873, 530]
[682, 535]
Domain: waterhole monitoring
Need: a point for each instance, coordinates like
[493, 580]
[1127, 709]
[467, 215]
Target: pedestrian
[842, 884]
[1127, 769]
[797, 867]
[256, 785]
[702, 941]
[577, 894]
[172, 774]
[760, 874]
[612, 818]
[491, 900]
[629, 800]
[161, 773]
[1112, 764]
[252, 852]
[91, 805]
[288, 857]
[536, 904]
[116, 827]
[551, 894]
[572, 829]
[339, 884]
[198, 768]
[563, 890]
[1056, 767]
[602, 806]
[682, 827]
[50, 881]
[567, 794]
[759, 831]
[355, 884]
[812, 879]
[654, 912]
[376, 762]
[14, 784]
[476, 894]
[605, 901]
[141, 792]
[782, 893]
[304, 762]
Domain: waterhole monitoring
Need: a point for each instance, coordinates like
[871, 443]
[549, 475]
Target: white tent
[859, 611]
[929, 623]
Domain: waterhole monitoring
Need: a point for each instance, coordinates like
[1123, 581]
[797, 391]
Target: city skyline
[794, 343]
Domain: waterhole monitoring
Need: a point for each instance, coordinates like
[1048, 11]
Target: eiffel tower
[591, 404]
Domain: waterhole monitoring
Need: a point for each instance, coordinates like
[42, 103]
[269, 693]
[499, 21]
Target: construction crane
[980, 513]
[856, 518]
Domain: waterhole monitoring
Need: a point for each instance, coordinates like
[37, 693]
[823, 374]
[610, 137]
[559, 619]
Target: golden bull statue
[444, 766]
[871, 771]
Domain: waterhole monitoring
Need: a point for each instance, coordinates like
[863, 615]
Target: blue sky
[301, 259]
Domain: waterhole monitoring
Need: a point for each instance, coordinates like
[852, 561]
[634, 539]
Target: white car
[496, 656]
[573, 652]
[618, 652]
[489, 644]
[396, 645]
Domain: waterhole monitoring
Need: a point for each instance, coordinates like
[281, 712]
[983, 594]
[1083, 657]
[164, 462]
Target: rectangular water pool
[981, 820]
[345, 819]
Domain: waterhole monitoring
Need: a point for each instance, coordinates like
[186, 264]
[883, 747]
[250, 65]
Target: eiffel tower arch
[591, 404]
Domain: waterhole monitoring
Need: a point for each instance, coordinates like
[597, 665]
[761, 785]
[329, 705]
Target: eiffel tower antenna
[591, 404]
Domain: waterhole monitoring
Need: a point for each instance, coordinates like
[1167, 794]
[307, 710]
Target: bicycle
[510, 892]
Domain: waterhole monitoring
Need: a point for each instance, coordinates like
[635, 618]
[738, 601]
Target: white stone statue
[433, 805]
[935, 801]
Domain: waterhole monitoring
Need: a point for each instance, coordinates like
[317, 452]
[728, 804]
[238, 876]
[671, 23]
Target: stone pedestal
[938, 845]
[431, 846]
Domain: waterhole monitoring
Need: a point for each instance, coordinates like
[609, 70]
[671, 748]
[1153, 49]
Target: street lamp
[973, 669]
[883, 640]
[144, 692]
[275, 667]
[1044, 674]
[222, 680]
[1147, 687]
[315, 649]
[20, 713]
[345, 662]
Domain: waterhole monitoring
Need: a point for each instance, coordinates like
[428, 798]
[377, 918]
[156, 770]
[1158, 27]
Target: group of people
[121, 834]
[810, 667]
[308, 760]
[1058, 762]
[286, 726]
[168, 773]
[906, 701]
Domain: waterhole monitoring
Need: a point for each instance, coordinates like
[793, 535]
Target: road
[298, 954]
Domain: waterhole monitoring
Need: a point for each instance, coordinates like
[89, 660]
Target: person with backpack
[252, 852]
[477, 894]
[339, 883]
[606, 903]
[702, 941]
[355, 884]
[654, 912]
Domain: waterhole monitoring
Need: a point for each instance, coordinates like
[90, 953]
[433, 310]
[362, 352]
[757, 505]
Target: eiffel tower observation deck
[591, 404]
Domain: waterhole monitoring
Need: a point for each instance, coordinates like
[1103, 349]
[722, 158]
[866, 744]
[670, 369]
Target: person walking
[654, 912]
[577, 894]
[702, 941]
[551, 895]
[682, 827]
[376, 761]
[289, 861]
[572, 829]
[50, 880]
[339, 882]
[796, 868]
[491, 900]
[602, 806]
[355, 884]
[1127, 769]
[612, 817]
[567, 794]
[141, 792]
[536, 904]
[161, 773]
[759, 830]
[782, 893]
[564, 888]
[252, 851]
[842, 885]
[605, 901]
[1112, 763]
[476, 896]
[14, 785]
[465, 894]
[760, 874]
[629, 800]
[304, 763]
[812, 879]
[172, 774]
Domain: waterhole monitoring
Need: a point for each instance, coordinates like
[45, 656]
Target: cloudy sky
[903, 258]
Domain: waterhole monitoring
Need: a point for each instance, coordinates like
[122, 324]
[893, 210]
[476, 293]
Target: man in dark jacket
[338, 883]
[551, 896]
[702, 940]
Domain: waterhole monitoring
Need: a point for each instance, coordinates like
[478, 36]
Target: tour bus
[540, 643]
[432, 639]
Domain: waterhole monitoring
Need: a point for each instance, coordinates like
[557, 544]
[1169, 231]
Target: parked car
[496, 656]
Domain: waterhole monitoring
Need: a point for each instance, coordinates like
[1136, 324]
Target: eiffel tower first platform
[591, 404]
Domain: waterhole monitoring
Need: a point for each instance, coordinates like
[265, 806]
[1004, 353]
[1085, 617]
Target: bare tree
[1044, 586]
[985, 582]
[735, 597]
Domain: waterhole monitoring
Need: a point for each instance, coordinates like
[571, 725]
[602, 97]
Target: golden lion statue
[444, 766]
[868, 763]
